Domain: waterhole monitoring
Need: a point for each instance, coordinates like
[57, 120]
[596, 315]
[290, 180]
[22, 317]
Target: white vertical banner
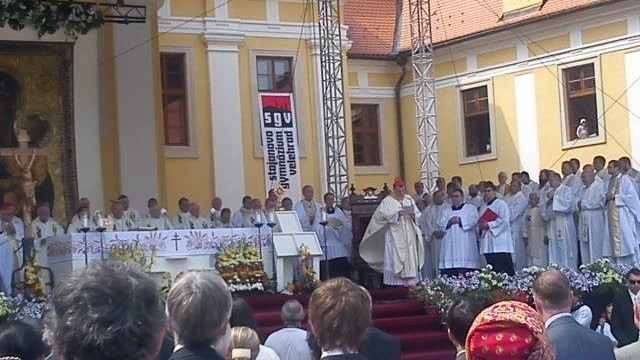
[632, 71]
[527, 120]
[280, 143]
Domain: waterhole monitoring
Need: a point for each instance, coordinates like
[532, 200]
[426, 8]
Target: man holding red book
[495, 232]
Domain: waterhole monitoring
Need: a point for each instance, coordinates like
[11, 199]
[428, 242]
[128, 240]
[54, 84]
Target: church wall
[304, 105]
[189, 8]
[248, 9]
[198, 185]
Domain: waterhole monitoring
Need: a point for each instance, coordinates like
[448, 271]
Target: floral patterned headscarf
[508, 330]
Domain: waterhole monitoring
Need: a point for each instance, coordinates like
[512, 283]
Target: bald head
[552, 292]
[588, 176]
[292, 312]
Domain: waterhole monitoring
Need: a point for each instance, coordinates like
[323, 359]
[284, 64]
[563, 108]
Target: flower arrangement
[133, 253]
[47, 17]
[33, 285]
[490, 287]
[240, 265]
[305, 278]
[21, 308]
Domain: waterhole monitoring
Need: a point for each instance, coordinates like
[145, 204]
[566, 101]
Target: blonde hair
[245, 338]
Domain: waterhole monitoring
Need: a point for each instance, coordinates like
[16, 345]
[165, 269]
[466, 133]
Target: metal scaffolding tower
[425, 95]
[333, 96]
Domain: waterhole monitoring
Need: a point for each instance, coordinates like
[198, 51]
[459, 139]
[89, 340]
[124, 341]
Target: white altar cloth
[176, 250]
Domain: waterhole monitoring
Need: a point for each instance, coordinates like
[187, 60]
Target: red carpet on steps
[421, 334]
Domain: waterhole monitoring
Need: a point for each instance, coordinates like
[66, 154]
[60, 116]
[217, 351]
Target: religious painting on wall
[36, 100]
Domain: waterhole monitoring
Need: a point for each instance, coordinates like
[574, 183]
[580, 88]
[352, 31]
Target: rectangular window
[366, 134]
[274, 74]
[581, 105]
[174, 99]
[476, 121]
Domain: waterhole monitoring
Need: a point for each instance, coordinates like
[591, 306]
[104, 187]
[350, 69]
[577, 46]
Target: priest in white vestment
[600, 167]
[623, 210]
[475, 198]
[571, 180]
[517, 205]
[7, 213]
[335, 237]
[418, 186]
[392, 243]
[432, 234]
[563, 246]
[535, 233]
[502, 183]
[459, 253]
[307, 208]
[156, 219]
[244, 217]
[42, 227]
[8, 257]
[77, 221]
[133, 214]
[178, 221]
[495, 231]
[214, 212]
[528, 185]
[118, 218]
[592, 226]
[195, 221]
[225, 219]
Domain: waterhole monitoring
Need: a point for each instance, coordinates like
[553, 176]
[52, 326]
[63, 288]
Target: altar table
[176, 250]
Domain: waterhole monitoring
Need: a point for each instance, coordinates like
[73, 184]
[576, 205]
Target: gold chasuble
[613, 214]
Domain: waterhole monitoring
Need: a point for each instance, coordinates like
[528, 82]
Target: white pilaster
[136, 112]
[314, 45]
[632, 71]
[87, 119]
[527, 120]
[222, 9]
[273, 11]
[224, 81]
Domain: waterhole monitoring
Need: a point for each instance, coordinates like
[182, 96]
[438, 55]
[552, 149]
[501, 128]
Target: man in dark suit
[459, 319]
[381, 346]
[570, 340]
[622, 325]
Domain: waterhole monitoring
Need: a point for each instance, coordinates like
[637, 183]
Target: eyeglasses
[634, 282]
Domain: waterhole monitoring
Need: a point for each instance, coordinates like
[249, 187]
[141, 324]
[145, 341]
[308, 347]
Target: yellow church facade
[508, 99]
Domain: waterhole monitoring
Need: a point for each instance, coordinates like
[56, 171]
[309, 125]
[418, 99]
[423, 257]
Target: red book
[488, 216]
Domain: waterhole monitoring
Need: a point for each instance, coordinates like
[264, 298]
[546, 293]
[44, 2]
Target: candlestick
[85, 221]
[272, 217]
[323, 215]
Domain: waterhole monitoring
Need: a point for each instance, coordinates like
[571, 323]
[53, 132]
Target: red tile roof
[372, 23]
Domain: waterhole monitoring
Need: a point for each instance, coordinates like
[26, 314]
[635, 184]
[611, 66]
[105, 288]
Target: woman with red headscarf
[392, 243]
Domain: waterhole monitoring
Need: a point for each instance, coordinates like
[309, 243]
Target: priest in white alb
[432, 234]
[119, 219]
[563, 246]
[42, 227]
[178, 221]
[495, 231]
[623, 211]
[195, 221]
[535, 233]
[9, 245]
[155, 219]
[335, 237]
[592, 225]
[460, 243]
[517, 205]
[392, 243]
[129, 212]
[307, 208]
[78, 221]
[244, 217]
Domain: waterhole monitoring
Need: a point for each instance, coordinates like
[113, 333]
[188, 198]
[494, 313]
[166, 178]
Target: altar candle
[100, 222]
[85, 221]
[272, 217]
[323, 215]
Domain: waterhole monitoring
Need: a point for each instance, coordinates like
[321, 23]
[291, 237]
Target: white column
[314, 44]
[224, 81]
[86, 105]
[527, 120]
[632, 72]
[136, 112]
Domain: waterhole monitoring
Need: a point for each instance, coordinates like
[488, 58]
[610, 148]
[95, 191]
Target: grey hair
[109, 311]
[292, 312]
[199, 307]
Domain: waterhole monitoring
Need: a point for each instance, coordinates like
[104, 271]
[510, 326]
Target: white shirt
[290, 343]
[267, 353]
[554, 317]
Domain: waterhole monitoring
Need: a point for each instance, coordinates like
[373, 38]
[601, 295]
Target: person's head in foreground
[109, 311]
[292, 313]
[21, 341]
[243, 337]
[199, 307]
[552, 293]
[340, 315]
[508, 330]
[459, 319]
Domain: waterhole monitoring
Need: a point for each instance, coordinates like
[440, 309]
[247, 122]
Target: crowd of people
[114, 311]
